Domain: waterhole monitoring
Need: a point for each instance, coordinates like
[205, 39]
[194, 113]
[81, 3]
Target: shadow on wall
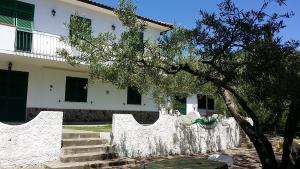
[167, 137]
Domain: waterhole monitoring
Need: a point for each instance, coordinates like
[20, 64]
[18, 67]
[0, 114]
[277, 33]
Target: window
[133, 96]
[201, 101]
[76, 89]
[24, 41]
[210, 104]
[21, 15]
[16, 13]
[205, 102]
[83, 28]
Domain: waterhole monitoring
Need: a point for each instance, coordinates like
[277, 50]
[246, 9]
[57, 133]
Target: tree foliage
[234, 54]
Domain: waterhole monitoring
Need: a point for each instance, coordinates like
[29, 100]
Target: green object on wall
[206, 122]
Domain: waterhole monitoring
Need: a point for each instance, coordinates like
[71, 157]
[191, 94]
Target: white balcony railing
[32, 44]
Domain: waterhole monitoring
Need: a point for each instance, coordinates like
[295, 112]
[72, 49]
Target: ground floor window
[76, 89]
[205, 102]
[133, 96]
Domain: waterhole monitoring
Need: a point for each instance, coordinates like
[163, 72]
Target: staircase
[87, 151]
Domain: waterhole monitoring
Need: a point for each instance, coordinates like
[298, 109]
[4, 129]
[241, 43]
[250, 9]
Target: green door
[13, 95]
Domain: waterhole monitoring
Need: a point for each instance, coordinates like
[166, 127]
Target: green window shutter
[201, 101]
[76, 90]
[24, 16]
[24, 41]
[210, 103]
[7, 12]
[133, 96]
[83, 28]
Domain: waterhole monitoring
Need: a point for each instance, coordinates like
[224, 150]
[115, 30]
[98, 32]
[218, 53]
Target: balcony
[31, 44]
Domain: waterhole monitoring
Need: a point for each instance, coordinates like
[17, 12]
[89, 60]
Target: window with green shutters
[24, 16]
[24, 24]
[76, 89]
[24, 41]
[133, 96]
[205, 102]
[21, 15]
[16, 13]
[83, 28]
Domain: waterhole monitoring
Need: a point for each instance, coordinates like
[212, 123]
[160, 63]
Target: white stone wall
[167, 137]
[32, 143]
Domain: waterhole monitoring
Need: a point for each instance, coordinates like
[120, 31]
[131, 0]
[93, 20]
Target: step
[91, 164]
[80, 135]
[83, 142]
[87, 149]
[87, 157]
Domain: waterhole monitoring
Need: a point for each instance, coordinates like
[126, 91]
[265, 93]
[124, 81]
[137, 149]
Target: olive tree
[235, 54]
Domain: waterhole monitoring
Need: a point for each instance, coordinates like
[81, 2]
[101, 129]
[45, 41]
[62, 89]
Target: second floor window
[133, 96]
[16, 13]
[76, 89]
[80, 27]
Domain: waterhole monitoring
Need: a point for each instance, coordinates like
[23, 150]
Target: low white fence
[32, 143]
[167, 137]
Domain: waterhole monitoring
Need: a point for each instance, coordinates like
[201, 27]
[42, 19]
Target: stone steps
[116, 163]
[83, 142]
[80, 135]
[87, 157]
[85, 150]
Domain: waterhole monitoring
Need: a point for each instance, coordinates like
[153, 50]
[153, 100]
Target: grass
[101, 128]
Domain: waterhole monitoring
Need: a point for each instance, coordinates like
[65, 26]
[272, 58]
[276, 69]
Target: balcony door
[13, 95]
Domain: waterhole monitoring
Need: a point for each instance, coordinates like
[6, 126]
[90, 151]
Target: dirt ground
[247, 158]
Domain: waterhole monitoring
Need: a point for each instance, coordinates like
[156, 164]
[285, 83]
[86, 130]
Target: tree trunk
[289, 133]
[262, 145]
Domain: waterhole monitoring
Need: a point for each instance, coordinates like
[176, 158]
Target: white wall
[101, 22]
[167, 137]
[32, 143]
[7, 39]
[40, 96]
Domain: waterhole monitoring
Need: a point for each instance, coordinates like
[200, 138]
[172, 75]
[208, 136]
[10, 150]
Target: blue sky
[186, 12]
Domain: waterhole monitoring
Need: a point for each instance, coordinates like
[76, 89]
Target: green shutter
[76, 90]
[24, 16]
[84, 27]
[24, 21]
[133, 96]
[7, 12]
[7, 16]
[24, 41]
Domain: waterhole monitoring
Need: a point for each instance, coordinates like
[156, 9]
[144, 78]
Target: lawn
[94, 128]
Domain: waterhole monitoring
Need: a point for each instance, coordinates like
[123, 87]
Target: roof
[140, 17]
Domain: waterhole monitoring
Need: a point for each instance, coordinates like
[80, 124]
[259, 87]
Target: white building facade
[34, 78]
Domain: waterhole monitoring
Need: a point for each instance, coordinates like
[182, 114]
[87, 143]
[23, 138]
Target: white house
[34, 78]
